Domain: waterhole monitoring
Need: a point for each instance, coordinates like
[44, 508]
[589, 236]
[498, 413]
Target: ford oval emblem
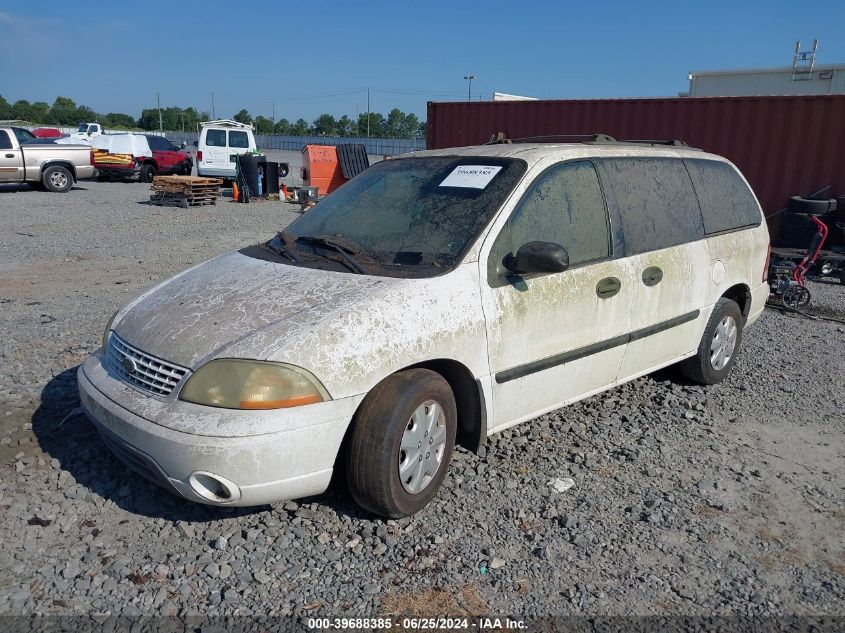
[129, 365]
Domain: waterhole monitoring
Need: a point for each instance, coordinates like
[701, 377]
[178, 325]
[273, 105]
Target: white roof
[135, 144]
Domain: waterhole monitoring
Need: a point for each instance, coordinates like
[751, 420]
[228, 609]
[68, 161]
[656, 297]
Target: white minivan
[432, 300]
[219, 144]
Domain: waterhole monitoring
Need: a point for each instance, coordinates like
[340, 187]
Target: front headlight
[252, 384]
[108, 329]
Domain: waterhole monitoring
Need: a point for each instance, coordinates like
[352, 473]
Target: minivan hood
[236, 299]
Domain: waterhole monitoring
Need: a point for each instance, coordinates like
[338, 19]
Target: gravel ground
[686, 500]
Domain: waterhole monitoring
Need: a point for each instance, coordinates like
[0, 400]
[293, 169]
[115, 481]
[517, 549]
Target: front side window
[5, 141]
[564, 205]
[238, 139]
[159, 144]
[215, 138]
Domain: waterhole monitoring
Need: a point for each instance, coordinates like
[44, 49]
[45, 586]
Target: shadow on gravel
[77, 445]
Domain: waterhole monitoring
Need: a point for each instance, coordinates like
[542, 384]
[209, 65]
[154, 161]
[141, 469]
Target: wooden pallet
[176, 199]
[185, 191]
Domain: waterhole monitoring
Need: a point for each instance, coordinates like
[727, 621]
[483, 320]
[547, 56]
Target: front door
[554, 338]
[11, 164]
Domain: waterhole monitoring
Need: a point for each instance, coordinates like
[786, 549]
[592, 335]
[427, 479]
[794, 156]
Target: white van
[219, 144]
[430, 301]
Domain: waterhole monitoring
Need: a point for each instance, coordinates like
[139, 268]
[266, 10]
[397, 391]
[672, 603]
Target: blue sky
[315, 57]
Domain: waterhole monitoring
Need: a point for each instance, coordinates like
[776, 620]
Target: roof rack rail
[501, 138]
[672, 142]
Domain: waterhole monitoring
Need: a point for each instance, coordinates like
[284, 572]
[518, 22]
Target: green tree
[5, 109]
[344, 126]
[377, 125]
[243, 117]
[263, 125]
[282, 127]
[22, 109]
[40, 112]
[64, 111]
[325, 125]
[395, 122]
[114, 120]
[300, 128]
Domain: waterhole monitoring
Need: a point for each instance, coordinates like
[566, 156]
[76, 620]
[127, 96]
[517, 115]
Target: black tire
[103, 177]
[842, 276]
[147, 172]
[374, 451]
[700, 368]
[797, 204]
[186, 168]
[57, 179]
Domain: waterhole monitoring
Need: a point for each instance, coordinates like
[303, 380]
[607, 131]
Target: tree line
[64, 112]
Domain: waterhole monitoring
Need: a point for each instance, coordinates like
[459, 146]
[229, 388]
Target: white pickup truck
[23, 158]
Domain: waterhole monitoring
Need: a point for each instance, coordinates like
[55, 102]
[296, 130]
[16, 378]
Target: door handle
[608, 287]
[10, 155]
[652, 276]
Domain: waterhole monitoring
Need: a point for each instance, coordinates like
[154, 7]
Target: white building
[822, 80]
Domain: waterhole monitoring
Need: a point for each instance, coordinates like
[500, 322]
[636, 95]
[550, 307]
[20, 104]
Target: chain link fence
[374, 146]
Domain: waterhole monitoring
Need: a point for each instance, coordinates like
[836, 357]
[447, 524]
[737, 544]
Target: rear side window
[5, 141]
[215, 138]
[726, 201]
[238, 139]
[656, 201]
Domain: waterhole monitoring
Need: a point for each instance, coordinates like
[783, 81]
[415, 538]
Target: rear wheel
[719, 346]
[57, 179]
[148, 172]
[401, 443]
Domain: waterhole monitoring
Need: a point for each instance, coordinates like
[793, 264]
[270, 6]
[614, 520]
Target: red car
[47, 132]
[165, 159]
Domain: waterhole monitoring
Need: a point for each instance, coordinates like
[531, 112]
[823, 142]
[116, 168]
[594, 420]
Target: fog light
[214, 487]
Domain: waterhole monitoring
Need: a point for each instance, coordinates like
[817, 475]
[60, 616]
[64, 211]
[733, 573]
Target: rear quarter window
[726, 201]
[238, 139]
[215, 138]
[656, 202]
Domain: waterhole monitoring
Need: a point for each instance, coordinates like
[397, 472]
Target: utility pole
[274, 114]
[182, 116]
[160, 124]
[469, 78]
[368, 113]
[213, 118]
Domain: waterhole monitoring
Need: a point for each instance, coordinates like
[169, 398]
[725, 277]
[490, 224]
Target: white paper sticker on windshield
[471, 176]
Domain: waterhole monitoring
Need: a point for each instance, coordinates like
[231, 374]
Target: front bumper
[283, 454]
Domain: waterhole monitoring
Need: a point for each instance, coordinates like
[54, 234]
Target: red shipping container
[784, 145]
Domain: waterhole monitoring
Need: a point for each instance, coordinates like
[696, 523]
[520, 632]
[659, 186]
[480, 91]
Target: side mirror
[538, 257]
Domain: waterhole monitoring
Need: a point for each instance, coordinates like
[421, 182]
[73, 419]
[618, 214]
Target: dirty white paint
[352, 331]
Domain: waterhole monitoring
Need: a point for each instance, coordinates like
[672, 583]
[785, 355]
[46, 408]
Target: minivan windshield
[407, 216]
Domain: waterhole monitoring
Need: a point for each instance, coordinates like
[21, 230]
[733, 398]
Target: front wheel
[57, 179]
[719, 346]
[402, 441]
[148, 172]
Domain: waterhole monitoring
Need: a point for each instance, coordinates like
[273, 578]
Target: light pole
[469, 78]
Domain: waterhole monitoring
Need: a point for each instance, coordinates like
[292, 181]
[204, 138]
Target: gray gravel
[687, 500]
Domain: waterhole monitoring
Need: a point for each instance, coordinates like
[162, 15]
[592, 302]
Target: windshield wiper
[280, 249]
[344, 251]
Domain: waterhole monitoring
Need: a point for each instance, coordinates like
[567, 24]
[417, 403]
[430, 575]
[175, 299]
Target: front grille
[144, 372]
